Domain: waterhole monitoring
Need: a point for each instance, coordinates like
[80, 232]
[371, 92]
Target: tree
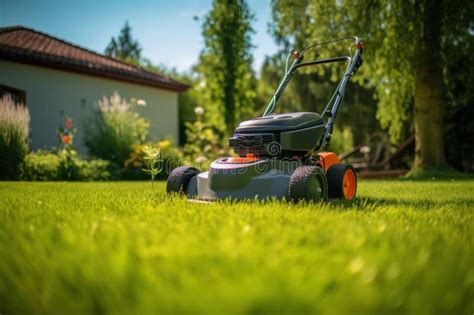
[429, 88]
[124, 47]
[460, 110]
[225, 64]
[404, 56]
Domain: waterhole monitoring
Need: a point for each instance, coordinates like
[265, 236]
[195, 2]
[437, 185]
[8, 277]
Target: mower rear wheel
[308, 183]
[342, 181]
[179, 179]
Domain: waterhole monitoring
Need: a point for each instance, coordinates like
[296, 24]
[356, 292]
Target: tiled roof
[21, 44]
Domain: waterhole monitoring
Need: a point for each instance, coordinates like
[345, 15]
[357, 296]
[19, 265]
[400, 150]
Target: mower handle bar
[332, 107]
[322, 61]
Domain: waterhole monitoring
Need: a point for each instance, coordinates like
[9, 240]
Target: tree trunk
[428, 87]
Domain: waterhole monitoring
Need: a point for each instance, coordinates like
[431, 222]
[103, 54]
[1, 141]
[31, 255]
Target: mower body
[278, 136]
[266, 147]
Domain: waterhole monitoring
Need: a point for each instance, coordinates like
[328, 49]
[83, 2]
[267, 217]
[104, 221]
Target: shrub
[64, 163]
[14, 131]
[41, 166]
[96, 169]
[117, 127]
[203, 144]
[342, 140]
[48, 166]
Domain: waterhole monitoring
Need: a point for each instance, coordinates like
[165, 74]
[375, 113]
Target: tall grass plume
[14, 132]
[117, 127]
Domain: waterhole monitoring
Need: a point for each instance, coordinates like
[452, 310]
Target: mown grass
[403, 247]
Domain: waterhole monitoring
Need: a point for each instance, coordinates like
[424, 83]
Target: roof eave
[71, 65]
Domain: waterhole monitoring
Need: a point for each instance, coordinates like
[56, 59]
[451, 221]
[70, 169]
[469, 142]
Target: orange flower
[67, 139]
[69, 123]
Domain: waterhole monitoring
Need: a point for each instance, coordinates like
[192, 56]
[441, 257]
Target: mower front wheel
[179, 179]
[342, 181]
[308, 183]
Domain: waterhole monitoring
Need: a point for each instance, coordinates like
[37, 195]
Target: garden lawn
[126, 248]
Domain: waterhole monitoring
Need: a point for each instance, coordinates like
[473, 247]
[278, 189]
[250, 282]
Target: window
[18, 96]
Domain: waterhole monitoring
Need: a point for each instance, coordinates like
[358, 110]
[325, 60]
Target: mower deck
[262, 179]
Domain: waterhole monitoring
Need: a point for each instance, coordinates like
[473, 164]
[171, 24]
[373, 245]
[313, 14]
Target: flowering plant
[171, 157]
[152, 159]
[66, 133]
[69, 165]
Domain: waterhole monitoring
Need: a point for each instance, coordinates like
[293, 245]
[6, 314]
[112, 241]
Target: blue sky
[165, 28]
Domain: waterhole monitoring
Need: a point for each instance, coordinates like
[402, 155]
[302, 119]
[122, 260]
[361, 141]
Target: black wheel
[342, 181]
[308, 183]
[179, 179]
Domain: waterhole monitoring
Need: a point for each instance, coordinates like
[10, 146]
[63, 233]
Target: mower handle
[321, 61]
[331, 109]
[354, 63]
[355, 38]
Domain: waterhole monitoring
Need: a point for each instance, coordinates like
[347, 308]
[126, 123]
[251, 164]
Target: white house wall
[52, 95]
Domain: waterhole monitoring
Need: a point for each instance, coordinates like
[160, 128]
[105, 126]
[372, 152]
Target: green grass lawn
[125, 248]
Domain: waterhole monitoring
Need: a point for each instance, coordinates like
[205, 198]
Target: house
[56, 79]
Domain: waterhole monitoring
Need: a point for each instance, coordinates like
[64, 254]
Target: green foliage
[14, 133]
[41, 166]
[124, 47]
[403, 247]
[227, 87]
[69, 164]
[203, 144]
[459, 52]
[187, 102]
[117, 127]
[342, 140]
[96, 170]
[63, 165]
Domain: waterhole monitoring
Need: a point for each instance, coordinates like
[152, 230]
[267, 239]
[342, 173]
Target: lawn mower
[280, 155]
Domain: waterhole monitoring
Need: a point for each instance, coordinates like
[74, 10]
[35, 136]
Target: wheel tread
[335, 177]
[298, 188]
[179, 179]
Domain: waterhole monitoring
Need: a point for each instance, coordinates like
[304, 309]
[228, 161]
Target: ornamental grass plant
[115, 129]
[14, 132]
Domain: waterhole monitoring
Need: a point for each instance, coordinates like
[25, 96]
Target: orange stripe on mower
[248, 159]
[327, 159]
